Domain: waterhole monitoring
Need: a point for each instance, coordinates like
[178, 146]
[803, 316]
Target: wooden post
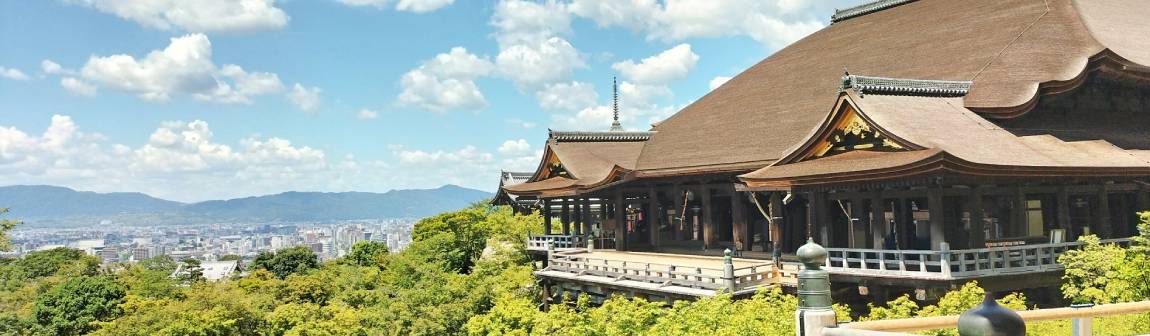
[937, 231]
[977, 223]
[739, 222]
[680, 216]
[1143, 199]
[565, 218]
[546, 216]
[620, 221]
[652, 217]
[1064, 213]
[858, 211]
[775, 224]
[708, 222]
[817, 207]
[878, 221]
[577, 218]
[587, 222]
[1020, 215]
[1104, 221]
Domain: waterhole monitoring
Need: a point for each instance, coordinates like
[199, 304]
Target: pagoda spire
[615, 125]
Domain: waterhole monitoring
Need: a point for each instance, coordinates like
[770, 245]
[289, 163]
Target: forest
[466, 273]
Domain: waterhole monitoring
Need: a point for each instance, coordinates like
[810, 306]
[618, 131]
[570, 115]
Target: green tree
[159, 263]
[460, 236]
[190, 271]
[5, 225]
[367, 253]
[44, 263]
[287, 261]
[71, 307]
[1094, 273]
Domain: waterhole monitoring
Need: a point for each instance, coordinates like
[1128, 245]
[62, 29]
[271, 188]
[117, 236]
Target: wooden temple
[924, 143]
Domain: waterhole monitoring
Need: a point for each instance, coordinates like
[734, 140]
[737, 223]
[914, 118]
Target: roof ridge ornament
[867, 8]
[615, 125]
[903, 86]
[608, 136]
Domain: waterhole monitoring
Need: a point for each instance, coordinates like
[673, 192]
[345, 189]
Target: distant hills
[54, 204]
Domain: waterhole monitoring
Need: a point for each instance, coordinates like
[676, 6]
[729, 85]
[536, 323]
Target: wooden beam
[858, 222]
[677, 222]
[587, 222]
[577, 228]
[817, 221]
[1063, 200]
[708, 221]
[1105, 222]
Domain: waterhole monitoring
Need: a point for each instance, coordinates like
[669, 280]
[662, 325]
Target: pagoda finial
[615, 125]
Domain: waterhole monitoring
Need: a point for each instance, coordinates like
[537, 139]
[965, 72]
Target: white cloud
[184, 67]
[718, 81]
[571, 96]
[304, 98]
[446, 82]
[515, 147]
[468, 154]
[422, 6]
[415, 6]
[669, 65]
[547, 61]
[13, 74]
[366, 114]
[78, 87]
[773, 22]
[532, 51]
[196, 16]
[49, 67]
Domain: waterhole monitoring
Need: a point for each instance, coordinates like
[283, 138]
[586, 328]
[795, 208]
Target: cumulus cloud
[533, 51]
[304, 98]
[13, 74]
[446, 82]
[415, 6]
[718, 81]
[78, 87]
[366, 114]
[515, 147]
[520, 123]
[669, 65]
[49, 67]
[184, 67]
[196, 16]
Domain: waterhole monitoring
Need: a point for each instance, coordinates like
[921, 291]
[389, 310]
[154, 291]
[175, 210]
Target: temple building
[924, 143]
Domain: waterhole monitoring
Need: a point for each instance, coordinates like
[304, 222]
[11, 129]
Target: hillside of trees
[465, 273]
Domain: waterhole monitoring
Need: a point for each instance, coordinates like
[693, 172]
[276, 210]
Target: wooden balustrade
[540, 242]
[711, 278]
[952, 264]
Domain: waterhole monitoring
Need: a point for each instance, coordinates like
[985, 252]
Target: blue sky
[194, 100]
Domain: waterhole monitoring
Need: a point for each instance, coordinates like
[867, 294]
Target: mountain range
[39, 203]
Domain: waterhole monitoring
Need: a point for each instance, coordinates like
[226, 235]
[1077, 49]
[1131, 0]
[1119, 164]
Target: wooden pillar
[857, 222]
[565, 218]
[775, 224]
[1020, 220]
[739, 222]
[1064, 213]
[603, 218]
[652, 216]
[708, 221]
[620, 221]
[1121, 227]
[680, 213]
[937, 231]
[878, 220]
[546, 216]
[1143, 199]
[977, 223]
[817, 218]
[1105, 222]
[587, 222]
[577, 217]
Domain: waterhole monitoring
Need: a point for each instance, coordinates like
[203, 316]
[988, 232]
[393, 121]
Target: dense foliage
[5, 225]
[466, 272]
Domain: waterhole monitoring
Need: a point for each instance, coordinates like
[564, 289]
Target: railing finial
[990, 318]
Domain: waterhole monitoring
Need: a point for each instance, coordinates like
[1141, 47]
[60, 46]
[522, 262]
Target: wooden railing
[560, 242]
[952, 264]
[710, 278]
[945, 322]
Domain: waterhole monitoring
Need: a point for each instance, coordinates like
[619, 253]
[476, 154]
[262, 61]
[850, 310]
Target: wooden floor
[672, 259]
